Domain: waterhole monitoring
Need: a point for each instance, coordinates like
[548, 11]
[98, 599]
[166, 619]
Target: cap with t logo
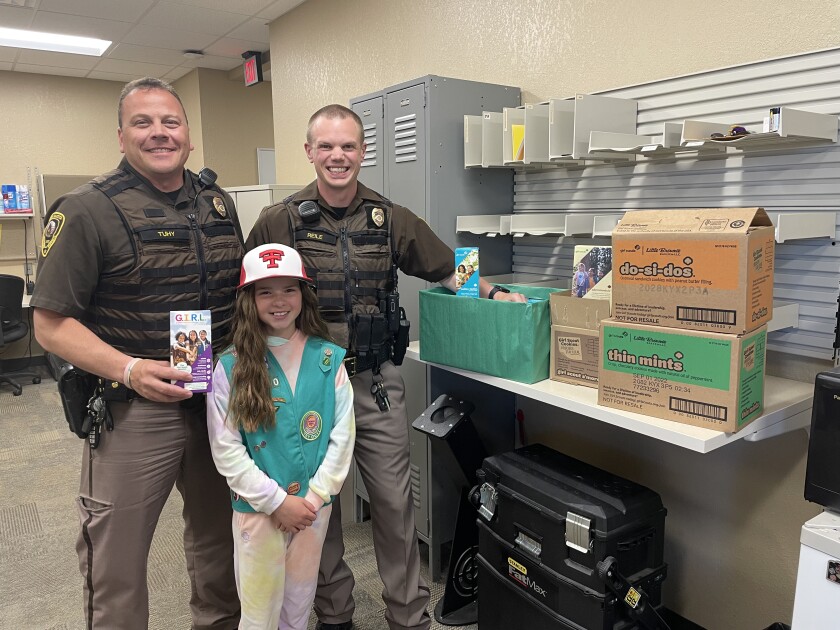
[271, 260]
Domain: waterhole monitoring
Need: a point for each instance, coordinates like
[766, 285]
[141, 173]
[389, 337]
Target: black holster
[76, 387]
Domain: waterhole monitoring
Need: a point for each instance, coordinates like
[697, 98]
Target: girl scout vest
[185, 259]
[291, 451]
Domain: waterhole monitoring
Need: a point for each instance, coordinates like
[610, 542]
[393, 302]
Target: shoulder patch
[51, 232]
[219, 205]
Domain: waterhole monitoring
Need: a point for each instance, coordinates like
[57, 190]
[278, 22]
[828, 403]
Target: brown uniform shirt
[422, 253]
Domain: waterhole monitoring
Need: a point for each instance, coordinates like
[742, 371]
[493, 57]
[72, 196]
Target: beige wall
[734, 514]
[235, 121]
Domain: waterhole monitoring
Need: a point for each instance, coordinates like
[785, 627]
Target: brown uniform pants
[124, 485]
[382, 457]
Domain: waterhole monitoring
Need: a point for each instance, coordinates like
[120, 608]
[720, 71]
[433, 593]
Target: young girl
[282, 429]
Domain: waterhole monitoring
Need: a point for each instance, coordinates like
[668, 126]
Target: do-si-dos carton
[190, 348]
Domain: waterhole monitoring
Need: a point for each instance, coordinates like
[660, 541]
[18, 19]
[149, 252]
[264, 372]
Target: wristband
[127, 371]
[495, 290]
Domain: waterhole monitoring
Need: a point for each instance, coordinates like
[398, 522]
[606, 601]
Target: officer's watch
[495, 290]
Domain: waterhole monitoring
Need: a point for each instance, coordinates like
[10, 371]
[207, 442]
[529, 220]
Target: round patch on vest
[377, 217]
[51, 232]
[293, 488]
[219, 205]
[311, 425]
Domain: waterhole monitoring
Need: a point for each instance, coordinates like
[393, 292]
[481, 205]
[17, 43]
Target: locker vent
[405, 138]
[370, 141]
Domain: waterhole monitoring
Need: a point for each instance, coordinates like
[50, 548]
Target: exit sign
[253, 69]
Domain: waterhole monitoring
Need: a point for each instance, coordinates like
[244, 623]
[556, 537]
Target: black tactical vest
[350, 259]
[187, 259]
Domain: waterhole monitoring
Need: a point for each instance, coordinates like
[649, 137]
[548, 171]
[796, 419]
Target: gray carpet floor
[40, 584]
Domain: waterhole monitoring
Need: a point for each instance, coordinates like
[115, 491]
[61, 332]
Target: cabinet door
[372, 174]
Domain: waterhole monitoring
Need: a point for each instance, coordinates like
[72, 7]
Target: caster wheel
[17, 393]
[36, 380]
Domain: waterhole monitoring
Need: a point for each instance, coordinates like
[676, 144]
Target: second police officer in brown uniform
[352, 240]
[117, 255]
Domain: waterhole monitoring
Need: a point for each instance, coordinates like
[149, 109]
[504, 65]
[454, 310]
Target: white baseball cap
[271, 260]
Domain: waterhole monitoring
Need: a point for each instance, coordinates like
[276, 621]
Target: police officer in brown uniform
[352, 240]
[117, 255]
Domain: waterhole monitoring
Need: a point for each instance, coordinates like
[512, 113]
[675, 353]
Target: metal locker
[419, 149]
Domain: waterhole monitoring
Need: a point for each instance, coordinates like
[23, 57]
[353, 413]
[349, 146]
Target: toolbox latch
[577, 532]
[528, 544]
[487, 508]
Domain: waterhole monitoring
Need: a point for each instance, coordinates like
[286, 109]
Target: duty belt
[357, 364]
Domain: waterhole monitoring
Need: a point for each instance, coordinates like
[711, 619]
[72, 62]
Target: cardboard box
[709, 380]
[506, 339]
[694, 269]
[575, 326]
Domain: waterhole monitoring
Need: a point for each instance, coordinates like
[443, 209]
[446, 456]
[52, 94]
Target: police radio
[309, 211]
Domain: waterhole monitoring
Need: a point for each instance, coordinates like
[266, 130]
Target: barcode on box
[706, 315]
[694, 408]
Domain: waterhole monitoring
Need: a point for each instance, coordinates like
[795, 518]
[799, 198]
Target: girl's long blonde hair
[250, 405]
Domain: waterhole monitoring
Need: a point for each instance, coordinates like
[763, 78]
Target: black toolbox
[545, 521]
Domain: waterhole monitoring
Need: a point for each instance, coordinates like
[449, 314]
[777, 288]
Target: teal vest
[294, 448]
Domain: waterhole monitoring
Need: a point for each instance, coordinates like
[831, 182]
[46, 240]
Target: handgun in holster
[76, 387]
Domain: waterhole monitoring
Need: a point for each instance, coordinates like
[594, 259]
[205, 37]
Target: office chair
[12, 326]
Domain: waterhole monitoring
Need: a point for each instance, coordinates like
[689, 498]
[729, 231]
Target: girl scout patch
[51, 232]
[326, 359]
[310, 425]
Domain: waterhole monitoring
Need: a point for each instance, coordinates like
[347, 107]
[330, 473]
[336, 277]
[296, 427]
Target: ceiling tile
[59, 60]
[191, 18]
[254, 30]
[227, 47]
[177, 73]
[16, 17]
[74, 25]
[136, 68]
[279, 8]
[163, 56]
[64, 72]
[103, 9]
[168, 38]
[110, 76]
[246, 7]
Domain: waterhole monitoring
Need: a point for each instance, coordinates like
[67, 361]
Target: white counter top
[787, 406]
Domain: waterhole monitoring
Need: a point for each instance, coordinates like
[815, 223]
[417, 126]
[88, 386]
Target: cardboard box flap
[693, 221]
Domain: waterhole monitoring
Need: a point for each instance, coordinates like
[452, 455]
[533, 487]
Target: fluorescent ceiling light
[17, 38]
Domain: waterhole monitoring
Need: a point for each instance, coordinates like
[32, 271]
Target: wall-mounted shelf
[798, 225]
[787, 407]
[785, 315]
[483, 144]
[573, 224]
[513, 135]
[789, 128]
[789, 225]
[485, 224]
[649, 146]
[591, 129]
[27, 215]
